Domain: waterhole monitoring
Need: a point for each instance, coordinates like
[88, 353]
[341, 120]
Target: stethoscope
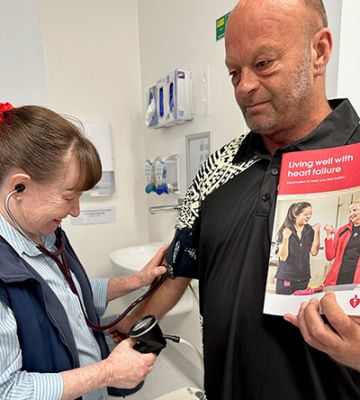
[60, 259]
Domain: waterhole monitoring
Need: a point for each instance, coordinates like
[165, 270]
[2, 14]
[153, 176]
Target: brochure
[316, 237]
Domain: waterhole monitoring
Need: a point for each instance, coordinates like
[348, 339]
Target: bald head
[312, 12]
[317, 7]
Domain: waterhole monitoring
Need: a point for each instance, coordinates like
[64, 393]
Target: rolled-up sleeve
[99, 287]
[16, 384]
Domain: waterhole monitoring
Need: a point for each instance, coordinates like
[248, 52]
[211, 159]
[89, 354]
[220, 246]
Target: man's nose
[248, 82]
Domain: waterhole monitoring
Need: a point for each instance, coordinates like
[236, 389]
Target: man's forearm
[163, 300]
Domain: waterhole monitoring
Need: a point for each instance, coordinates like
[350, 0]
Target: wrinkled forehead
[257, 22]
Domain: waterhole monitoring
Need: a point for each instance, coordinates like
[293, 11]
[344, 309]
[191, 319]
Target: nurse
[47, 303]
[297, 240]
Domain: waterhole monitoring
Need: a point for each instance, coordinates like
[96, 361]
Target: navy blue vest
[44, 333]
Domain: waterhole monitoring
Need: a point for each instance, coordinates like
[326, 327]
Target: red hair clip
[3, 108]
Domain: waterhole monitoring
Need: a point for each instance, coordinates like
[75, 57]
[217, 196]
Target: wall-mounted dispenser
[151, 119]
[169, 102]
[150, 176]
[162, 174]
[100, 135]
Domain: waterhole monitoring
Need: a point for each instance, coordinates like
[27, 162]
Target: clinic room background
[95, 60]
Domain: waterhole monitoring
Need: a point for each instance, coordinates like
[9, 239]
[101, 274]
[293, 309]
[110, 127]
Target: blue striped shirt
[20, 385]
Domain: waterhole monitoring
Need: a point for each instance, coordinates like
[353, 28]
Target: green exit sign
[221, 25]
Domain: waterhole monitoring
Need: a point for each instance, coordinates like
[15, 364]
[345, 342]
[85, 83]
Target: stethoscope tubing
[65, 270]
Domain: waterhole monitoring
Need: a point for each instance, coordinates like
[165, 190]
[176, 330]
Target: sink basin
[128, 260]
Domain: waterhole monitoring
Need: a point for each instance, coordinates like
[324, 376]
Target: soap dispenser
[150, 176]
[160, 176]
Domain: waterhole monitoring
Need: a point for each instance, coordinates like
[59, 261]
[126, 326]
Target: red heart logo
[355, 301]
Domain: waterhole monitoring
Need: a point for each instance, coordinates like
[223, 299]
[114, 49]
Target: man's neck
[276, 140]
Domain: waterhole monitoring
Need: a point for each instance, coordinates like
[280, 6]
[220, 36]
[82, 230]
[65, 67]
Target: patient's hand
[340, 338]
[120, 331]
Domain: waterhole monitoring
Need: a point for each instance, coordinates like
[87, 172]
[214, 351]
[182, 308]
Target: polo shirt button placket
[265, 197]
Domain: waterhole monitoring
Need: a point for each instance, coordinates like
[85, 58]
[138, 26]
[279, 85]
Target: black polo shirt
[229, 222]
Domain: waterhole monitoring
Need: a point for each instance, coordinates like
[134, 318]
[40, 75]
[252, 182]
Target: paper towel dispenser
[100, 135]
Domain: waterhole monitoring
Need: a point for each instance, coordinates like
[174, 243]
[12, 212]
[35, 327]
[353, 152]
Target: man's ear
[322, 46]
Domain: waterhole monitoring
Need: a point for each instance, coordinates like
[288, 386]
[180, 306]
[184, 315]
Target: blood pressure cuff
[182, 256]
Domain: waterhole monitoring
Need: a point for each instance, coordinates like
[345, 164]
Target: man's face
[270, 65]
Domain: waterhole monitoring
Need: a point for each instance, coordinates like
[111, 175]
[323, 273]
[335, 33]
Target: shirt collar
[335, 130]
[20, 243]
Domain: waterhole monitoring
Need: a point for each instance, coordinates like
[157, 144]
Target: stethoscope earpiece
[20, 187]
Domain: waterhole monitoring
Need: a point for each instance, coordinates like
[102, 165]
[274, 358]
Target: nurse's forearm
[123, 368]
[121, 285]
[83, 380]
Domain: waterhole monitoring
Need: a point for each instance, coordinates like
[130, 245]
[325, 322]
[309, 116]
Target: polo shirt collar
[335, 130]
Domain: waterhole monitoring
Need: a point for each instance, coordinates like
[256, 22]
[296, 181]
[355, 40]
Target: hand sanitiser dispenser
[169, 102]
[162, 174]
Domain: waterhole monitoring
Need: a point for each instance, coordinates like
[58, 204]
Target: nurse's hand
[126, 367]
[316, 227]
[340, 340]
[153, 269]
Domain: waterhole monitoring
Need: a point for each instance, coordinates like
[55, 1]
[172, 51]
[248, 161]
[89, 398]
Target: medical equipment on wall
[100, 135]
[150, 176]
[169, 101]
[151, 120]
[162, 174]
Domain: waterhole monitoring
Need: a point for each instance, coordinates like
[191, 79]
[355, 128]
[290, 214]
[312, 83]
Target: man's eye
[235, 77]
[263, 64]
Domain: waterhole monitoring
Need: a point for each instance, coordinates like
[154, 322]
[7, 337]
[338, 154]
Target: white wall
[333, 11]
[349, 56]
[91, 52]
[22, 73]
